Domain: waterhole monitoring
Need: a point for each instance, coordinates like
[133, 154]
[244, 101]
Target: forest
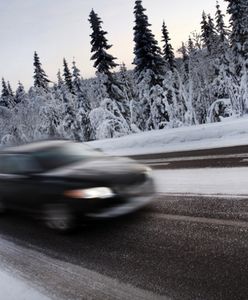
[204, 81]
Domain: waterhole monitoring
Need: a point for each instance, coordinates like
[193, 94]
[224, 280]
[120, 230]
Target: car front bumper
[135, 200]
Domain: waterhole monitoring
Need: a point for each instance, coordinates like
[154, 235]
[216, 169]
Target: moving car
[63, 182]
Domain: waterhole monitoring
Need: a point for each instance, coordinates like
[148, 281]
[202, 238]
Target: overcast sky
[60, 28]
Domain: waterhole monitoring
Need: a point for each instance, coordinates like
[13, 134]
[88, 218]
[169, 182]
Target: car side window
[7, 165]
[18, 164]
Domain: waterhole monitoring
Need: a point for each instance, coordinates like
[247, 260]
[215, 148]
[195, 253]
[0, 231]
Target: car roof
[33, 147]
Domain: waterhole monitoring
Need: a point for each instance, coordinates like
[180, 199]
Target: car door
[10, 180]
[18, 183]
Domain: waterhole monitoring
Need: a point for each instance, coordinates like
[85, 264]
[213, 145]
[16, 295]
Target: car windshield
[66, 154]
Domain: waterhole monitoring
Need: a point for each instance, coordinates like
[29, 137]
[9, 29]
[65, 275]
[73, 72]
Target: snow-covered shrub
[107, 122]
[219, 110]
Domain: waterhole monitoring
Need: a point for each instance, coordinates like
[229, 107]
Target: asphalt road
[236, 156]
[179, 247]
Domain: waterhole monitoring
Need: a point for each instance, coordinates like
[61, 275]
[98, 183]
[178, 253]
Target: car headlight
[98, 192]
[148, 171]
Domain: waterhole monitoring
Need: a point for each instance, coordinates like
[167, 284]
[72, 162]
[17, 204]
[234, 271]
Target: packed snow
[13, 288]
[214, 135]
[205, 181]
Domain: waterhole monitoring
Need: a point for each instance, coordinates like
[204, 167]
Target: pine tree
[5, 90]
[168, 52]
[6, 97]
[126, 81]
[83, 108]
[147, 53]
[11, 93]
[238, 9]
[185, 60]
[20, 94]
[68, 77]
[191, 47]
[60, 81]
[208, 32]
[221, 63]
[76, 77]
[40, 77]
[104, 62]
[221, 28]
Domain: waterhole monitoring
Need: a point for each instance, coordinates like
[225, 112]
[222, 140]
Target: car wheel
[59, 217]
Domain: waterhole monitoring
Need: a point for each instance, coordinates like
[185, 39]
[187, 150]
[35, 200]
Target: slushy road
[177, 248]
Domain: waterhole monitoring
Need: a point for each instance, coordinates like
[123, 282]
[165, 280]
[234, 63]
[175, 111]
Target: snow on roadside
[229, 133]
[12, 288]
[206, 181]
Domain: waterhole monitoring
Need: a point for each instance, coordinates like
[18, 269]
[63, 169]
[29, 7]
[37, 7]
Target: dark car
[64, 182]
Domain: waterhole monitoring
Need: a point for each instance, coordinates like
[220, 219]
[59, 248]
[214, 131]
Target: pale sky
[60, 28]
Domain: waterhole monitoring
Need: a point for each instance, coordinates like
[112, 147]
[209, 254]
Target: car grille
[135, 189]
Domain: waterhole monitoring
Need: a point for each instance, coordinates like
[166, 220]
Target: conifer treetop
[104, 62]
[40, 78]
[147, 53]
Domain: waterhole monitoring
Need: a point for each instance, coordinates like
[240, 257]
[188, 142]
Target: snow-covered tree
[221, 28]
[104, 62]
[67, 77]
[107, 121]
[208, 32]
[20, 94]
[40, 78]
[76, 77]
[60, 81]
[7, 95]
[185, 60]
[146, 50]
[168, 52]
[238, 10]
[5, 90]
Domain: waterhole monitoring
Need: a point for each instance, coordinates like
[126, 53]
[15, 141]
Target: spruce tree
[168, 52]
[127, 82]
[104, 62]
[238, 10]
[221, 28]
[11, 93]
[147, 53]
[6, 97]
[185, 59]
[191, 46]
[76, 77]
[20, 94]
[40, 77]
[208, 33]
[68, 77]
[5, 90]
[60, 81]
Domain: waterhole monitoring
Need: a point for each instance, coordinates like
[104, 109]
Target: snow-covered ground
[206, 181]
[12, 289]
[229, 133]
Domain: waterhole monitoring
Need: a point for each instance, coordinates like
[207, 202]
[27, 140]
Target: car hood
[108, 170]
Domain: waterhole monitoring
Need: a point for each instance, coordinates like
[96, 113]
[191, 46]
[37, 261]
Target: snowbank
[206, 181]
[229, 133]
[13, 288]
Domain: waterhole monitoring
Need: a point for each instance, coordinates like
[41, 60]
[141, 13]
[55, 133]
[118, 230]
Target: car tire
[59, 218]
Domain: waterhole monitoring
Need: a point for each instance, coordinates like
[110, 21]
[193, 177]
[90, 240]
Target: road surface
[179, 247]
[220, 157]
